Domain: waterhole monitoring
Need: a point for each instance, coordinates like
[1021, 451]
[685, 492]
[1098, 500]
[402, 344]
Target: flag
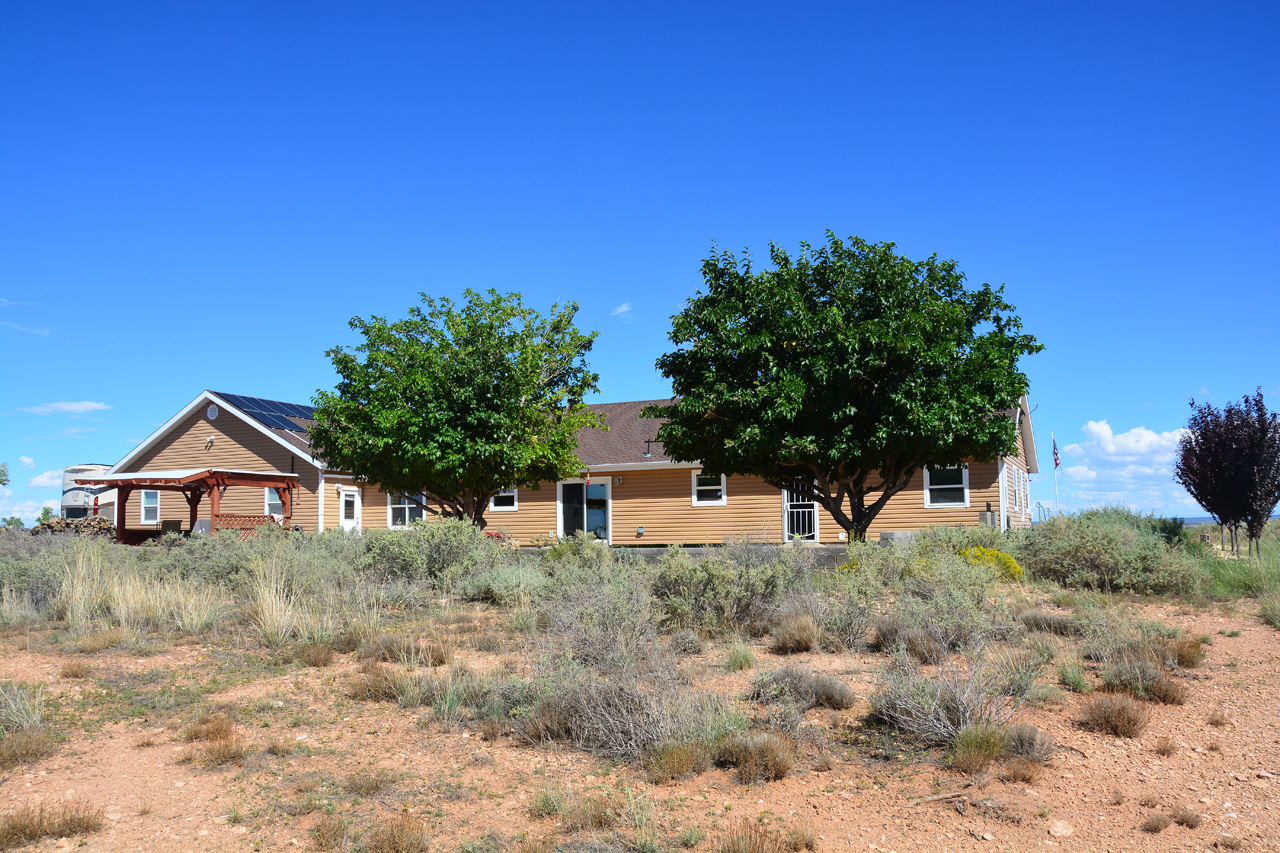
[1057, 460]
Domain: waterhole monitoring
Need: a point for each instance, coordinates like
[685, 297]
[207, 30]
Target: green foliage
[4, 473]
[1110, 550]
[849, 364]
[739, 657]
[438, 553]
[714, 594]
[459, 402]
[1269, 606]
[13, 522]
[978, 745]
[506, 584]
[1003, 563]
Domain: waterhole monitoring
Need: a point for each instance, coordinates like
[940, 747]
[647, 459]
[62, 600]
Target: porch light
[639, 531]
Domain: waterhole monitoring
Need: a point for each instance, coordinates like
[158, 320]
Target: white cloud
[47, 480]
[27, 461]
[622, 312]
[76, 408]
[26, 329]
[1132, 468]
[51, 504]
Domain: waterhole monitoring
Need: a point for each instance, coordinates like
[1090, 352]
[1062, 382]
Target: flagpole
[1057, 510]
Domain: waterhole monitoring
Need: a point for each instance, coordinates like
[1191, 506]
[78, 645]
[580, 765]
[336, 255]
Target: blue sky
[199, 195]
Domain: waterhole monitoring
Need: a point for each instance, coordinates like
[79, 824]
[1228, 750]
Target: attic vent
[212, 411]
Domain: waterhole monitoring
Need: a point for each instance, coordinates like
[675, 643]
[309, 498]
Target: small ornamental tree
[4, 474]
[458, 402]
[1229, 461]
[841, 373]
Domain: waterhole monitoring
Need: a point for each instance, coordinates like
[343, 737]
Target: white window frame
[515, 505]
[724, 490]
[267, 502]
[392, 504]
[964, 481]
[608, 496]
[142, 507]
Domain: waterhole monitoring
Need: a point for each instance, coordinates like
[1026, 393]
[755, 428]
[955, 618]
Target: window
[402, 511]
[508, 501]
[946, 486]
[708, 489]
[150, 507]
[272, 503]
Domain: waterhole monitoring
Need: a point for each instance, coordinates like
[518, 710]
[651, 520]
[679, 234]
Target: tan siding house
[627, 492]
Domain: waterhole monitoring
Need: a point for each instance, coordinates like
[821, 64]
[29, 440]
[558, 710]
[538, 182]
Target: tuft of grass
[1157, 823]
[407, 651]
[1186, 817]
[316, 654]
[546, 803]
[404, 834]
[801, 838]
[330, 833]
[749, 837]
[1214, 745]
[21, 707]
[591, 812]
[1269, 608]
[279, 747]
[74, 669]
[739, 657]
[1229, 842]
[230, 750]
[31, 823]
[1188, 654]
[1217, 718]
[758, 756]
[1115, 714]
[102, 640]
[1050, 623]
[676, 761]
[686, 642]
[1031, 743]
[1167, 691]
[795, 633]
[145, 743]
[209, 727]
[977, 746]
[799, 684]
[366, 783]
[1165, 746]
[1021, 770]
[1071, 676]
[25, 746]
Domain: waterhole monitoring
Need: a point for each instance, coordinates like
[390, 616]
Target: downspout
[1004, 496]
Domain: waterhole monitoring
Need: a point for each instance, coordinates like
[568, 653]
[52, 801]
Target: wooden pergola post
[193, 497]
[122, 517]
[215, 507]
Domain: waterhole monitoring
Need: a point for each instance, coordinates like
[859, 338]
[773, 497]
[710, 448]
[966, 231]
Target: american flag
[1057, 460]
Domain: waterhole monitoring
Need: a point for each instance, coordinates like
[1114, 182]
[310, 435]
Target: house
[227, 460]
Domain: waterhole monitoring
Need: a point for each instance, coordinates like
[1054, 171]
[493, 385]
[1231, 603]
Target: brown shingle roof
[625, 440]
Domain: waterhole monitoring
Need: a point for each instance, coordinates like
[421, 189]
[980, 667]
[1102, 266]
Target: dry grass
[1022, 770]
[31, 823]
[1229, 842]
[393, 648]
[366, 783]
[759, 756]
[1117, 797]
[330, 833]
[1168, 691]
[145, 743]
[279, 746]
[75, 669]
[1115, 714]
[801, 838]
[103, 640]
[405, 834]
[1050, 623]
[1214, 745]
[1186, 653]
[316, 654]
[1150, 801]
[1165, 747]
[749, 837]
[1157, 823]
[210, 727]
[1031, 743]
[230, 750]
[1186, 817]
[25, 746]
[593, 812]
[796, 632]
[491, 729]
[676, 761]
[1217, 718]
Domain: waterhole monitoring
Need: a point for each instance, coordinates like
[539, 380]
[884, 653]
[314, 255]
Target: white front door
[349, 508]
[799, 516]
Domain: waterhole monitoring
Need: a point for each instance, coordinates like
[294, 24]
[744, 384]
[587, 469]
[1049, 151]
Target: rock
[1060, 829]
[986, 836]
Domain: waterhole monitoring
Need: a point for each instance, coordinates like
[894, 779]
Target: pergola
[194, 484]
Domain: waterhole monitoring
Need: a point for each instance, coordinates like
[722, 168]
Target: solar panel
[271, 413]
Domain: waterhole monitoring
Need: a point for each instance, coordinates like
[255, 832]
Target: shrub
[796, 632]
[845, 624]
[1016, 673]
[209, 727]
[607, 624]
[676, 761]
[330, 833]
[935, 708]
[318, 655]
[758, 756]
[547, 802]
[1156, 823]
[799, 685]
[1031, 743]
[686, 642]
[1115, 714]
[739, 657]
[506, 584]
[1004, 564]
[1186, 817]
[74, 669]
[748, 837]
[1109, 550]
[715, 594]
[21, 708]
[230, 750]
[1050, 623]
[978, 746]
[29, 824]
[1168, 692]
[439, 552]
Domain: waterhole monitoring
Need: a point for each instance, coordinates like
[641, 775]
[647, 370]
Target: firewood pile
[93, 525]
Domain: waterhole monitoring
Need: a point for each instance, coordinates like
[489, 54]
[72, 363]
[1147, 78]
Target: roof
[628, 438]
[289, 421]
[187, 476]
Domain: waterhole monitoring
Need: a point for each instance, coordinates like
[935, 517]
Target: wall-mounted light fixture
[639, 531]
[617, 481]
[208, 442]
